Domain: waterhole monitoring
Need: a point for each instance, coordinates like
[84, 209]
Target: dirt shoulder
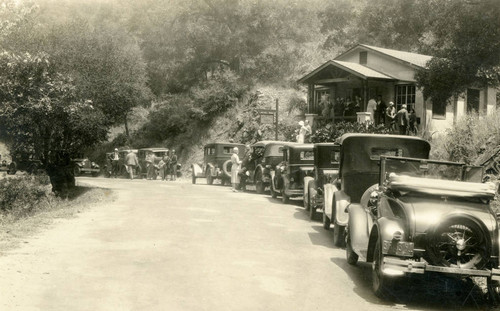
[14, 232]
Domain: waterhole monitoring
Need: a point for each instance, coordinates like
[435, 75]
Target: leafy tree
[40, 111]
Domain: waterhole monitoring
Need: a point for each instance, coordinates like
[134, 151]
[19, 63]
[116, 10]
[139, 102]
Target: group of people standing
[403, 121]
[304, 132]
[166, 167]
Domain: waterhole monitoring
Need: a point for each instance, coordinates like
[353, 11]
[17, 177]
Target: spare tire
[458, 242]
[226, 167]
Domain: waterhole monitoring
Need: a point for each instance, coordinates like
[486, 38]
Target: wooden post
[277, 106]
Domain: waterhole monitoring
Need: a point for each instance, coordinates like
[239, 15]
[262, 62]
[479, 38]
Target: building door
[472, 100]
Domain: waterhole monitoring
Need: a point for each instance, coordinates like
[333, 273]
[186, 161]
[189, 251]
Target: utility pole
[277, 105]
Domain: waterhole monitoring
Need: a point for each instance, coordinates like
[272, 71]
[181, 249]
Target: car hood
[427, 211]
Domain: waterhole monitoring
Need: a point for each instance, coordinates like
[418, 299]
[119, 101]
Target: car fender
[328, 192]
[340, 202]
[197, 170]
[358, 226]
[308, 180]
[388, 226]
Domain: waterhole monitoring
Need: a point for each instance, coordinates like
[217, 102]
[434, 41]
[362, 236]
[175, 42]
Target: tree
[41, 112]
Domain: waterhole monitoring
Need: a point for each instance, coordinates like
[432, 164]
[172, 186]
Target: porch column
[310, 98]
[365, 94]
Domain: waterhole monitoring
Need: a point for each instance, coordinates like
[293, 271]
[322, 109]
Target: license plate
[398, 248]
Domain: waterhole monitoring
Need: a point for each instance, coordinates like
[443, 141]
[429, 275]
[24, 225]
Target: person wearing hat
[115, 163]
[390, 113]
[402, 120]
[235, 168]
[131, 161]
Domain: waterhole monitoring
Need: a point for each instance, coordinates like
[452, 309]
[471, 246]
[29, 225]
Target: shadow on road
[321, 237]
[422, 292]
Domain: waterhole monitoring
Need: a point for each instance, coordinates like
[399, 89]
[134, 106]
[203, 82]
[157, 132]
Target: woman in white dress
[302, 133]
[235, 168]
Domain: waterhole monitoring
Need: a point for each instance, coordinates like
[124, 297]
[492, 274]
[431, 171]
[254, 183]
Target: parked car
[326, 171]
[158, 154]
[265, 156]
[82, 165]
[358, 171]
[216, 162]
[425, 216]
[9, 168]
[25, 162]
[298, 162]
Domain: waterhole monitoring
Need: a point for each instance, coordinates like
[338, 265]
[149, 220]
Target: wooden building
[341, 87]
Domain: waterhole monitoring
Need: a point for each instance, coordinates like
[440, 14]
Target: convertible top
[441, 187]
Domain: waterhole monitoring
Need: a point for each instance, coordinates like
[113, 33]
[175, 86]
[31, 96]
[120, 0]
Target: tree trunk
[126, 126]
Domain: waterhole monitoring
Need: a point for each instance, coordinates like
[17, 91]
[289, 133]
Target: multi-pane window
[405, 94]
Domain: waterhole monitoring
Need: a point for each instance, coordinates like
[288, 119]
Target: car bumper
[394, 264]
[294, 192]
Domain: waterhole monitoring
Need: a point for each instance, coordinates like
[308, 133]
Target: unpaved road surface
[178, 246]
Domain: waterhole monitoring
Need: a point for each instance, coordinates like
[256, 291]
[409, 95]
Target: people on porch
[380, 111]
[412, 126]
[371, 107]
[390, 113]
[302, 132]
[402, 120]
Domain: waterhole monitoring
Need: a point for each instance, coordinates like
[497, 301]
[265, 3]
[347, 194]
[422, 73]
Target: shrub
[20, 196]
[331, 131]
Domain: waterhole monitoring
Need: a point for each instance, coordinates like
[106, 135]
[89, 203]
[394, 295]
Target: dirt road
[177, 246]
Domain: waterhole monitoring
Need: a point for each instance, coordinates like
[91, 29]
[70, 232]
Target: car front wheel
[381, 284]
[351, 256]
[326, 220]
[284, 198]
[339, 235]
[210, 178]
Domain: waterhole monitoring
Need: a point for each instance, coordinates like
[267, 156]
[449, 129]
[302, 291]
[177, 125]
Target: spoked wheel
[210, 178]
[381, 284]
[338, 235]
[460, 243]
[351, 256]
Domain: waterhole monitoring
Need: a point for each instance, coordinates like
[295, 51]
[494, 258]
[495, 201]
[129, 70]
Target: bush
[21, 196]
[331, 131]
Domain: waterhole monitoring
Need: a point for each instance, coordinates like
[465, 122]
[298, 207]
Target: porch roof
[358, 70]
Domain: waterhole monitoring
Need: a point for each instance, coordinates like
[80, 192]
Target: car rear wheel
[193, 178]
[339, 235]
[326, 220]
[381, 284]
[351, 256]
[312, 208]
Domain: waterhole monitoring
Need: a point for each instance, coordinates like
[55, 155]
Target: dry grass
[14, 230]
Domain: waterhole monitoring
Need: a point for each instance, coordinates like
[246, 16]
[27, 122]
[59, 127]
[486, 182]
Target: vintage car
[423, 216]
[265, 156]
[298, 162]
[25, 162]
[216, 162]
[9, 168]
[326, 170]
[359, 169]
[82, 165]
[158, 154]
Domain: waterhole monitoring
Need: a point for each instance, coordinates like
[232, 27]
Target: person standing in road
[115, 163]
[149, 165]
[131, 162]
[402, 120]
[245, 167]
[173, 165]
[235, 168]
[161, 168]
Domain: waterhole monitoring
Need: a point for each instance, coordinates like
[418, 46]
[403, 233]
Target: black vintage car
[426, 216]
[82, 165]
[359, 170]
[216, 162]
[265, 155]
[298, 162]
[326, 170]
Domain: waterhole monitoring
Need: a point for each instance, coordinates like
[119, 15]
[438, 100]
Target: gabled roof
[415, 59]
[353, 68]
